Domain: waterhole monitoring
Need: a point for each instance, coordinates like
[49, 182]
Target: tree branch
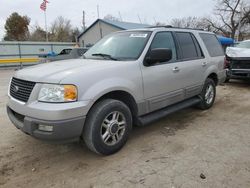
[216, 27]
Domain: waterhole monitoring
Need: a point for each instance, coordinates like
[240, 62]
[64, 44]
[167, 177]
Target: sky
[149, 11]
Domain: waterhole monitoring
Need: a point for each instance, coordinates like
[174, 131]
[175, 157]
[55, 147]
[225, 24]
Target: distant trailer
[26, 53]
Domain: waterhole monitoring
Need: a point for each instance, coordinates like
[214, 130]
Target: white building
[102, 27]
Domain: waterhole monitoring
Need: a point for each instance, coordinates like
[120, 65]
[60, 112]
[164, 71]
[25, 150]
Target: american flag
[43, 6]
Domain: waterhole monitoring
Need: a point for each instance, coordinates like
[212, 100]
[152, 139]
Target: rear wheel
[227, 80]
[107, 126]
[208, 94]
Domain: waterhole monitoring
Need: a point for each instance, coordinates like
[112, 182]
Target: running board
[154, 116]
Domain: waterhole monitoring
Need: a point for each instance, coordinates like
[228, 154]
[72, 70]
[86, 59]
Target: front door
[163, 81]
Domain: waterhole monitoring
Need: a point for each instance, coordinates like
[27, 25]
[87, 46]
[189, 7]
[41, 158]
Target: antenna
[139, 18]
[83, 20]
[155, 20]
[120, 15]
[98, 15]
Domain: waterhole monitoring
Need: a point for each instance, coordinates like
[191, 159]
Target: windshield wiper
[105, 56]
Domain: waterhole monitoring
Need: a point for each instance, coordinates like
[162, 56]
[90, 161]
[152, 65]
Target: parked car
[128, 78]
[238, 61]
[68, 53]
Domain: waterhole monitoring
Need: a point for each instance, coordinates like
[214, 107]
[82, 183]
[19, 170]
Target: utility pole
[83, 21]
[98, 14]
[99, 24]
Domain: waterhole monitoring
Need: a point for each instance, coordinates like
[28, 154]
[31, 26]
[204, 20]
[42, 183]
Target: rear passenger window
[164, 40]
[189, 46]
[212, 44]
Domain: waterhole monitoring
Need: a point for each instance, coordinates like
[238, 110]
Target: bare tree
[160, 24]
[192, 22]
[74, 34]
[187, 22]
[61, 30]
[111, 17]
[233, 15]
[37, 34]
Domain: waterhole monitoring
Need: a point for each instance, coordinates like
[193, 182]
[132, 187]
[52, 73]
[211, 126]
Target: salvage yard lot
[172, 152]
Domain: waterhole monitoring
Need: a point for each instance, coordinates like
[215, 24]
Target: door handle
[204, 64]
[176, 69]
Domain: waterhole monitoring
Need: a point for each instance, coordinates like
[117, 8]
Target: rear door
[192, 63]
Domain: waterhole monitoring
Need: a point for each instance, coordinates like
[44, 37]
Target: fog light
[47, 128]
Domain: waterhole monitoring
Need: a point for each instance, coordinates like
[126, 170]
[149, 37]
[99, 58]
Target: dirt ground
[170, 153]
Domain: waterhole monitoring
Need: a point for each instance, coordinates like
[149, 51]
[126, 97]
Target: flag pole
[46, 29]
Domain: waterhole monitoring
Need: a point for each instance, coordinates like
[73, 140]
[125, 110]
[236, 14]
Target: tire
[207, 95]
[227, 80]
[107, 127]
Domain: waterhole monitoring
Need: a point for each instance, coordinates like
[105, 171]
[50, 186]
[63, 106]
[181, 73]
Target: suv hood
[54, 72]
[235, 52]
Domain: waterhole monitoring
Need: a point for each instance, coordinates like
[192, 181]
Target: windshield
[244, 44]
[119, 46]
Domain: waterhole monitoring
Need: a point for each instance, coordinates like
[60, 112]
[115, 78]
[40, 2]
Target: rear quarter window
[212, 44]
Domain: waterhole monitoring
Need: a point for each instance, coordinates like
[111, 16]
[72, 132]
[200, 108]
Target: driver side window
[164, 40]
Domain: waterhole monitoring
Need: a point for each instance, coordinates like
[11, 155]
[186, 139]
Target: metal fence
[22, 53]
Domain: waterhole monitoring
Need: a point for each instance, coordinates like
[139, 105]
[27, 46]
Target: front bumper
[238, 73]
[67, 130]
[67, 119]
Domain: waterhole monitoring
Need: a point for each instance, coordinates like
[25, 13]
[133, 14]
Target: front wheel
[207, 95]
[107, 126]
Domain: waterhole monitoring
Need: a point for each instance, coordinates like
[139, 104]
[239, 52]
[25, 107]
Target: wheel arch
[122, 96]
[214, 77]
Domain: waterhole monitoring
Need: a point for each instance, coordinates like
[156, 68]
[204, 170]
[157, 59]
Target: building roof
[117, 24]
[126, 25]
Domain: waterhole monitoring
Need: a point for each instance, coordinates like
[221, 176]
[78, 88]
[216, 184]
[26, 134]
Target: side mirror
[158, 55]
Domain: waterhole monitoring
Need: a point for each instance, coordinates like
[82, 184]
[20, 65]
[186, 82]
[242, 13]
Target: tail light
[226, 63]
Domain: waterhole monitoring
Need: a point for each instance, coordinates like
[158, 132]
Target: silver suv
[128, 78]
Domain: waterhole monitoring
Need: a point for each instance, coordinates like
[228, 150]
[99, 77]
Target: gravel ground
[173, 152]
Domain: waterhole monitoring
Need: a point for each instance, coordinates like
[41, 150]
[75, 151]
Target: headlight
[57, 93]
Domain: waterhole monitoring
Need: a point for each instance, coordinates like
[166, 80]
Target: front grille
[21, 89]
[240, 64]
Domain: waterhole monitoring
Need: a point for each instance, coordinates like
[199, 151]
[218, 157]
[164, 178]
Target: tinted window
[212, 44]
[164, 40]
[187, 46]
[65, 52]
[198, 48]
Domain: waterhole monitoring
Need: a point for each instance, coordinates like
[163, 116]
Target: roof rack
[170, 26]
[166, 26]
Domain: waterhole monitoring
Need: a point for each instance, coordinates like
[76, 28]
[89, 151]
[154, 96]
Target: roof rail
[166, 26]
[170, 26]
